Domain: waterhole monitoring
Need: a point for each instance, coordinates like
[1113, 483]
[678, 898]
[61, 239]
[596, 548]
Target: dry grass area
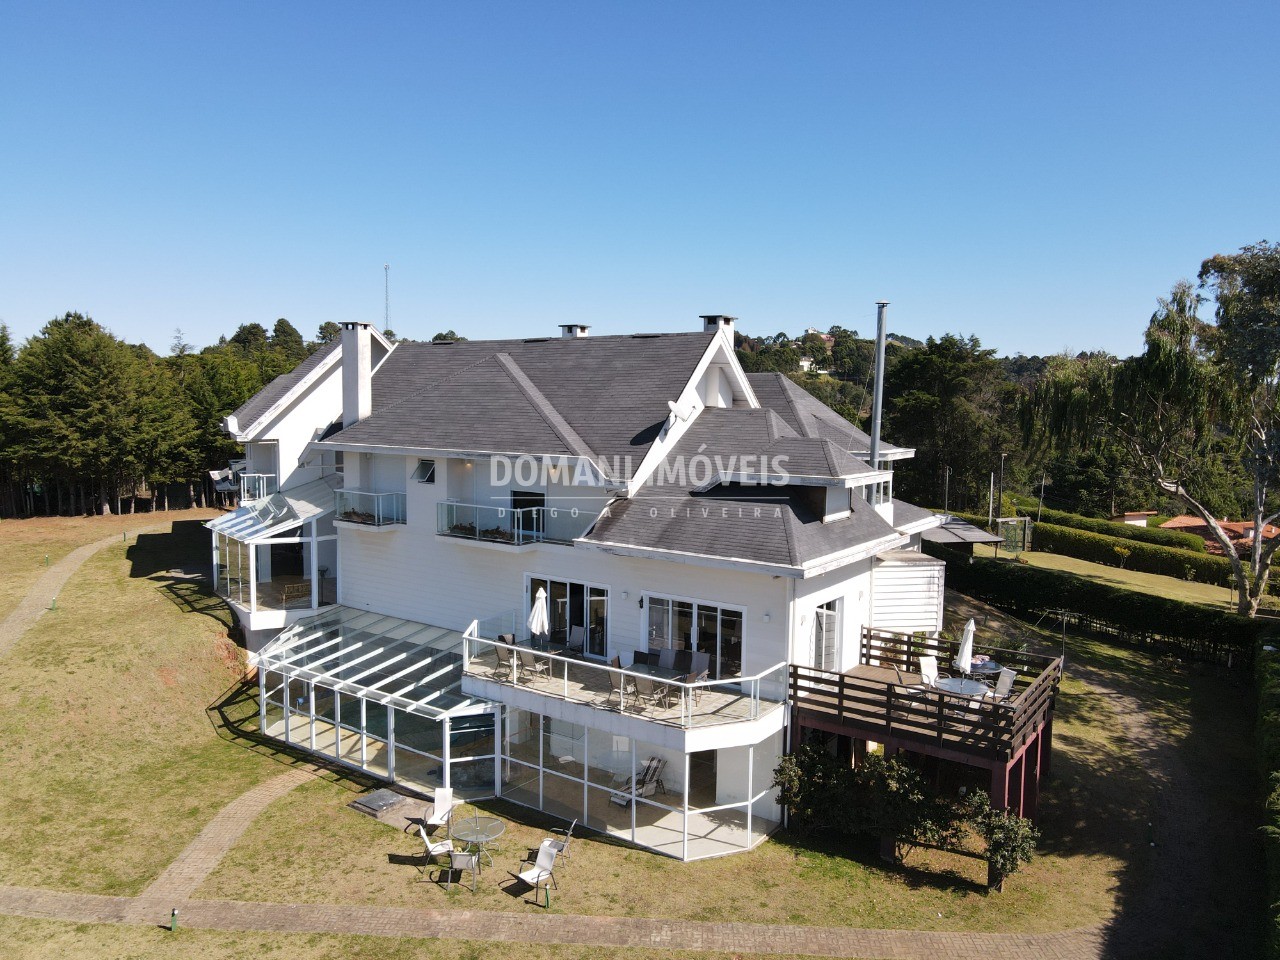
[24, 544]
[108, 763]
[39, 939]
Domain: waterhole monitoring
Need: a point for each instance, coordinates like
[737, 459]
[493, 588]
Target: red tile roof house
[720, 567]
[1240, 533]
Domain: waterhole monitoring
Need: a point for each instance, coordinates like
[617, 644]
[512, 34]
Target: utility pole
[991, 501]
[946, 489]
[1040, 505]
[1000, 498]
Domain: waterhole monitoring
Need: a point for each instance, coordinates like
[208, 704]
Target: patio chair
[701, 662]
[620, 685]
[505, 664]
[562, 845]
[695, 693]
[667, 659]
[623, 785]
[647, 691]
[441, 808]
[577, 642]
[655, 778]
[459, 862]
[533, 665]
[929, 674]
[542, 873]
[641, 657]
[1004, 686]
[431, 849]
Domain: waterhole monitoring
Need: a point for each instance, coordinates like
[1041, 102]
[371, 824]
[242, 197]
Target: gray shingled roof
[765, 524]
[806, 414]
[906, 513]
[249, 412]
[542, 396]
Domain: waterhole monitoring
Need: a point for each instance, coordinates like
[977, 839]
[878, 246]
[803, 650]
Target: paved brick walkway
[183, 877]
[644, 933]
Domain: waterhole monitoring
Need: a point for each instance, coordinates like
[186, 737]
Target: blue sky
[1035, 174]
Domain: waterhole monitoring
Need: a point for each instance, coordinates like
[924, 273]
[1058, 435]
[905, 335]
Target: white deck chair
[542, 873]
[431, 849]
[441, 808]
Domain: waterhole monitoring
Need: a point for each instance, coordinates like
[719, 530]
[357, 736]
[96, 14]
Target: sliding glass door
[579, 614]
[715, 632]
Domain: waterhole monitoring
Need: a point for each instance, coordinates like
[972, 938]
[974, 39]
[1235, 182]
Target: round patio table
[478, 833]
[965, 688]
[987, 668]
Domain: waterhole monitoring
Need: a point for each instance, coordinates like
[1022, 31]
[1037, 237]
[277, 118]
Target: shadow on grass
[1153, 765]
[234, 718]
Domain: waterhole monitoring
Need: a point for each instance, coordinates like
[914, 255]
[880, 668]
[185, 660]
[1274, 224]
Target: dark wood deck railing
[929, 719]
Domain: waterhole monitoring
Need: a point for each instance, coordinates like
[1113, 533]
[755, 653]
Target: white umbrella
[539, 622]
[964, 659]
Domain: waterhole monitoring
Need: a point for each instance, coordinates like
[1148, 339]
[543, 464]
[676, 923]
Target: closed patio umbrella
[539, 622]
[964, 659]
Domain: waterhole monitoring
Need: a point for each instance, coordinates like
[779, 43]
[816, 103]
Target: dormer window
[426, 471]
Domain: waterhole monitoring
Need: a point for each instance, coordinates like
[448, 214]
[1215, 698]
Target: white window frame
[697, 602]
[608, 605]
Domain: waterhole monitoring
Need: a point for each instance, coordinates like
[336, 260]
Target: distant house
[1134, 518]
[1239, 532]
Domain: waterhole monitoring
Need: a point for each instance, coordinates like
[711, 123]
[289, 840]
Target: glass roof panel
[277, 513]
[409, 665]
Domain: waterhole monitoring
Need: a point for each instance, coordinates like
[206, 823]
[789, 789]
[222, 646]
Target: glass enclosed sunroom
[380, 694]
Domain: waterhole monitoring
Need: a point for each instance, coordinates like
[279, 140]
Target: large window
[579, 613]
[699, 627]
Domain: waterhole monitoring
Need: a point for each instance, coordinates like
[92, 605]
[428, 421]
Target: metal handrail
[751, 685]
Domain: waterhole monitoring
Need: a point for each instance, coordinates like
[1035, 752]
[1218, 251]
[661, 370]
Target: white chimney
[357, 372]
[570, 331]
[711, 322]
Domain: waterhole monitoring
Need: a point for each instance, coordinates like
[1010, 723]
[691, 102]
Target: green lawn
[24, 544]
[1152, 583]
[108, 762]
[39, 939]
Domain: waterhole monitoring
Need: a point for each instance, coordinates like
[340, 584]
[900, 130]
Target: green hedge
[1268, 678]
[1188, 629]
[1145, 557]
[1108, 528]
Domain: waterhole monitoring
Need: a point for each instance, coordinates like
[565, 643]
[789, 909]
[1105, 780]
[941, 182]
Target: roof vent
[536, 340]
[713, 322]
[645, 336]
[570, 331]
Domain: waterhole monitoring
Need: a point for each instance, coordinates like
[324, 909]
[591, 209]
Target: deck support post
[1046, 746]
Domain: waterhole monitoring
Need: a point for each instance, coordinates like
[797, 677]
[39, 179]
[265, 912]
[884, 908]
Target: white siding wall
[851, 584]
[408, 571]
[297, 424]
[907, 595]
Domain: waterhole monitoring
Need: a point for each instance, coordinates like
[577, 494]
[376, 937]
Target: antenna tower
[386, 296]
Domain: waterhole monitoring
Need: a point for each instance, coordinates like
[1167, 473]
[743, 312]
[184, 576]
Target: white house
[691, 532]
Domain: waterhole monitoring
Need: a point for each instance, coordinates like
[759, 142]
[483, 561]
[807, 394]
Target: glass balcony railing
[470, 521]
[370, 509]
[643, 690]
[257, 486]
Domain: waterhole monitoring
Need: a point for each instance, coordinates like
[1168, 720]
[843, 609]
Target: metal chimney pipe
[878, 402]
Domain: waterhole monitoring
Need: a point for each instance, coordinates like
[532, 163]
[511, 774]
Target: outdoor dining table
[961, 686]
[987, 668]
[655, 671]
[478, 833]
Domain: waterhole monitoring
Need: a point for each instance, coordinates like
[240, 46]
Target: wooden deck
[582, 682]
[876, 701]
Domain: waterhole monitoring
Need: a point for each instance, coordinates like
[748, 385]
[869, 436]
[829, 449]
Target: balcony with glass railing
[257, 486]
[507, 525]
[640, 690]
[369, 509]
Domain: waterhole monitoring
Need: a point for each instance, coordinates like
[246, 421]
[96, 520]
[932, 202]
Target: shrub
[1267, 675]
[1108, 528]
[1010, 839]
